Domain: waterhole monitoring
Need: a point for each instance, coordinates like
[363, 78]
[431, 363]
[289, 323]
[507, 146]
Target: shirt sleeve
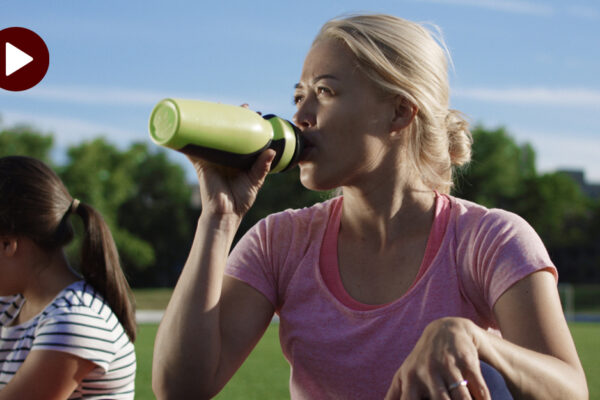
[81, 332]
[499, 250]
[251, 260]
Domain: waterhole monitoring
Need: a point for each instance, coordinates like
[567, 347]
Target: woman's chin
[312, 180]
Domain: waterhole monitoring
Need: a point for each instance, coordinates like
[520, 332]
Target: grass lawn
[265, 374]
[587, 340]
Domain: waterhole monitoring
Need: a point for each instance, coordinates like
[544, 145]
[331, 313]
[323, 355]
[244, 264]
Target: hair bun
[459, 138]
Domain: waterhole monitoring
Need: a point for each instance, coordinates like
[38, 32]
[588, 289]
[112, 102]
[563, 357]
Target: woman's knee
[495, 382]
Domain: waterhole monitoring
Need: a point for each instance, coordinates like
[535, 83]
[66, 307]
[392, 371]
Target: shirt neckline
[328, 257]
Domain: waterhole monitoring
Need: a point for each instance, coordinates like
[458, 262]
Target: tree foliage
[159, 211]
[24, 140]
[502, 174]
[143, 197]
[148, 203]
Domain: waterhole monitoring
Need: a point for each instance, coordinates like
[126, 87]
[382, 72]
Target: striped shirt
[78, 322]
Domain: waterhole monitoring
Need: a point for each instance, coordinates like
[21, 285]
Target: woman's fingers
[395, 390]
[438, 390]
[457, 389]
[225, 190]
[476, 384]
[262, 166]
[444, 364]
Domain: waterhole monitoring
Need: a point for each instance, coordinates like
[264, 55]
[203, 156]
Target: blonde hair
[406, 59]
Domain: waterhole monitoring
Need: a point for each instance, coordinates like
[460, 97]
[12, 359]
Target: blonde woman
[394, 289]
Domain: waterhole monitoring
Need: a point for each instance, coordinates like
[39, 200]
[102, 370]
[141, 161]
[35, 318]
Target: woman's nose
[304, 118]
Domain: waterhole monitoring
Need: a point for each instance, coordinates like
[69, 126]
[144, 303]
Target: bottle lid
[164, 122]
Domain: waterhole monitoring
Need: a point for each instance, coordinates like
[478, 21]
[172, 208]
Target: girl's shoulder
[9, 306]
[79, 301]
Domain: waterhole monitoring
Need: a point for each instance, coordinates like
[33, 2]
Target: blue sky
[531, 66]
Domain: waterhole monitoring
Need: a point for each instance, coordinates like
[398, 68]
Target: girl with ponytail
[72, 335]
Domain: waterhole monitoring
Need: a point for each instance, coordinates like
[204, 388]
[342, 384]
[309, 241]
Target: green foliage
[159, 211]
[99, 174]
[143, 197]
[502, 174]
[146, 201]
[499, 169]
[556, 207]
[24, 141]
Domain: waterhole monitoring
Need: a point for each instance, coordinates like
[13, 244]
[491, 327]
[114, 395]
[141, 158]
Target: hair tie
[74, 205]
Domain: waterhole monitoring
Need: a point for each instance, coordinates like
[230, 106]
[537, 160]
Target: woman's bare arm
[536, 354]
[212, 322]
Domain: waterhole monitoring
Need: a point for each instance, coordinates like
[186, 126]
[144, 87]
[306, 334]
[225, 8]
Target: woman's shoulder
[286, 230]
[476, 219]
[308, 211]
[301, 217]
[469, 212]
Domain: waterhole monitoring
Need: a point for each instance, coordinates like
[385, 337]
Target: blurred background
[524, 72]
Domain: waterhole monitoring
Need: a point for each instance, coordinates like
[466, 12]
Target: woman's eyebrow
[317, 79]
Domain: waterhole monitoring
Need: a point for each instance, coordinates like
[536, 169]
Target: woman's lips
[307, 149]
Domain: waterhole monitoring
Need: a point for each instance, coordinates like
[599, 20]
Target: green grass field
[265, 374]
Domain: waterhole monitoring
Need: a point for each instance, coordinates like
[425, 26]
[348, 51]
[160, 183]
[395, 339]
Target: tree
[498, 171]
[159, 211]
[146, 200]
[99, 174]
[25, 141]
[502, 174]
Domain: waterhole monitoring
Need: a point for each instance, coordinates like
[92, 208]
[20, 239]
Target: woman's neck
[381, 216]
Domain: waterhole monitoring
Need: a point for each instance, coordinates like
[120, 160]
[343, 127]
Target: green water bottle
[224, 134]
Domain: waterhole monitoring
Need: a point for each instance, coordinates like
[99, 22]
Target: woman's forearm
[530, 374]
[188, 342]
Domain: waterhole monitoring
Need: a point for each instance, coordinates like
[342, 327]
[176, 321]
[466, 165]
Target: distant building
[590, 189]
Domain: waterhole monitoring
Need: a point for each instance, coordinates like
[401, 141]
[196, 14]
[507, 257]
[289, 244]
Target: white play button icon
[15, 59]
[24, 59]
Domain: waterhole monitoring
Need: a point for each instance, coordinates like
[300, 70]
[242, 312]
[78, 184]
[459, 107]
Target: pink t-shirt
[340, 349]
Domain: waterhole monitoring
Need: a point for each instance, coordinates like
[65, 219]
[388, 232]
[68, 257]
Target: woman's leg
[495, 382]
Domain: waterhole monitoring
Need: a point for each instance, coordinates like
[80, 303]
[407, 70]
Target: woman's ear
[404, 114]
[8, 246]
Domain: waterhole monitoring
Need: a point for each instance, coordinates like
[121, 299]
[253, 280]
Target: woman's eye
[297, 99]
[323, 90]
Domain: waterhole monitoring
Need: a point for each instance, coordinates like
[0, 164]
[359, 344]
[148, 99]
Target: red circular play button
[24, 59]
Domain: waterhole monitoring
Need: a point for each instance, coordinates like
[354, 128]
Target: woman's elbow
[581, 388]
[172, 392]
[168, 387]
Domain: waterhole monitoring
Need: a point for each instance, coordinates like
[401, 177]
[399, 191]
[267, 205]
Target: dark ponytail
[35, 203]
[101, 268]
